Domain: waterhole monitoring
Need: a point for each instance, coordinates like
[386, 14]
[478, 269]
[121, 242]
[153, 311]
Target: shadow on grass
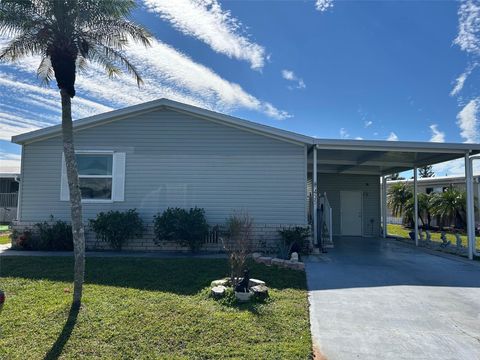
[57, 348]
[186, 276]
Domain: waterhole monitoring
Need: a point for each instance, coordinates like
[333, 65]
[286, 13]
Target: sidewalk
[6, 251]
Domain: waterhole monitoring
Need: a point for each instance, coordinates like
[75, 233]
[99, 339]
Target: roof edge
[158, 104]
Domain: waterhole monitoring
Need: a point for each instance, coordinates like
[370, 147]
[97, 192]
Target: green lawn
[401, 231]
[148, 308]
[4, 238]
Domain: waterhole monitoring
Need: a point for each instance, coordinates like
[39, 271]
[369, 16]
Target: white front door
[351, 213]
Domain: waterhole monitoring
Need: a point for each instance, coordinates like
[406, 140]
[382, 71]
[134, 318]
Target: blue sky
[397, 70]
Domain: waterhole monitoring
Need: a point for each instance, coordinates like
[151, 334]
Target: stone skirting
[265, 239]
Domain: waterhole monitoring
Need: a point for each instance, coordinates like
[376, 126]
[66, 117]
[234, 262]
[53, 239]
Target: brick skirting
[265, 239]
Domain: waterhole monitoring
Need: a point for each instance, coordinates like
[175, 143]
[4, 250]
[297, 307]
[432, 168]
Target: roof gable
[160, 104]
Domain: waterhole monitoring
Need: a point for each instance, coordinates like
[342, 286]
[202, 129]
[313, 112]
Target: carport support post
[384, 206]
[470, 208]
[315, 197]
[415, 199]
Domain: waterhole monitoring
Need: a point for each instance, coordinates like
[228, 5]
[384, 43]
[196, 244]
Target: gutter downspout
[315, 198]
[415, 199]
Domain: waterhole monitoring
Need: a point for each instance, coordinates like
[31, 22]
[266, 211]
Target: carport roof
[371, 157]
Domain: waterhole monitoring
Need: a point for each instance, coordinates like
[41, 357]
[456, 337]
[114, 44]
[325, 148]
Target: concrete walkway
[377, 299]
[6, 251]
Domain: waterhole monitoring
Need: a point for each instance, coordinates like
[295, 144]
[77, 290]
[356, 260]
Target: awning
[372, 157]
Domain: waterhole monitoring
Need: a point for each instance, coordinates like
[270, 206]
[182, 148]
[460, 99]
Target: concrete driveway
[377, 299]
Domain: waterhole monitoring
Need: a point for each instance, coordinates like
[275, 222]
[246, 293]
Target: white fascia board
[406, 146]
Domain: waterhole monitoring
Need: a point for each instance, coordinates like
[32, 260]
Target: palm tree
[451, 206]
[425, 208]
[397, 197]
[66, 34]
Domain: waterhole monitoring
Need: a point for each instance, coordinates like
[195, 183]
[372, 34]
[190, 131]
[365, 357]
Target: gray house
[167, 154]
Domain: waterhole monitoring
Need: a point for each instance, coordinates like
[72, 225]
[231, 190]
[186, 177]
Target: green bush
[186, 227]
[294, 239]
[54, 235]
[116, 227]
[47, 235]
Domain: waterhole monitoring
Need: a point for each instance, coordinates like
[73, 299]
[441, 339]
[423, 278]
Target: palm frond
[97, 55]
[45, 70]
[114, 57]
[108, 30]
[23, 45]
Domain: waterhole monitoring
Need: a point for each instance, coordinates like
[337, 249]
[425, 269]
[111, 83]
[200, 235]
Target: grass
[147, 308]
[401, 231]
[4, 238]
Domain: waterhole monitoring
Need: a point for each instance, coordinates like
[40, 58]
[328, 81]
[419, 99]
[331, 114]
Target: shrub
[55, 236]
[186, 227]
[116, 227]
[47, 235]
[21, 240]
[294, 239]
[237, 242]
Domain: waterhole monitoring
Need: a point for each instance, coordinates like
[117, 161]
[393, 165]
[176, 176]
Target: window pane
[92, 188]
[94, 164]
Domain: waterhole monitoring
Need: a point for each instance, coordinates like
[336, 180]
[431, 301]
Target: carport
[336, 158]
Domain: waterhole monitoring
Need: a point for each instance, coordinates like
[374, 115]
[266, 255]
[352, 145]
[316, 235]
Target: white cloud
[368, 123]
[323, 5]
[207, 21]
[467, 120]
[392, 137]
[437, 135]
[454, 168]
[290, 76]
[468, 38]
[166, 72]
[359, 138]
[344, 134]
[9, 163]
[459, 82]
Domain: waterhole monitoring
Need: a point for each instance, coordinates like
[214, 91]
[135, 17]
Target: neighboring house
[9, 183]
[167, 154]
[438, 184]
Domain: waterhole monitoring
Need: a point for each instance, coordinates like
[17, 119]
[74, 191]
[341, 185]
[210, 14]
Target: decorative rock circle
[218, 291]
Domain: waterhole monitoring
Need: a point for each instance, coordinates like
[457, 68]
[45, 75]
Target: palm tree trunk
[75, 198]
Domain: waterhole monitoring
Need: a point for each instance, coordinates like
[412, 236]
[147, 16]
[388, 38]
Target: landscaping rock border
[267, 260]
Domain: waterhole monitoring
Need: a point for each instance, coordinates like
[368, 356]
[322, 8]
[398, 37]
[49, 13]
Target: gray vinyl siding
[174, 159]
[332, 184]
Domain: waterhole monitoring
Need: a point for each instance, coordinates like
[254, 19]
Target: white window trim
[99, 152]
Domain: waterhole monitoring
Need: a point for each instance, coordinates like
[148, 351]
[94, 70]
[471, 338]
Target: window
[101, 175]
[95, 175]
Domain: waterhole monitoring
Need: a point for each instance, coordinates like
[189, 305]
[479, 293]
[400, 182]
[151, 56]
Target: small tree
[451, 205]
[426, 171]
[398, 196]
[425, 209]
[237, 243]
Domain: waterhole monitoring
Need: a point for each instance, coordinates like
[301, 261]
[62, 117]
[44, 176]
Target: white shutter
[64, 192]
[118, 184]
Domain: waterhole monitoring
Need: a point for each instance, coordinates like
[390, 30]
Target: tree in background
[395, 176]
[426, 171]
[451, 206]
[67, 34]
[425, 209]
[398, 195]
